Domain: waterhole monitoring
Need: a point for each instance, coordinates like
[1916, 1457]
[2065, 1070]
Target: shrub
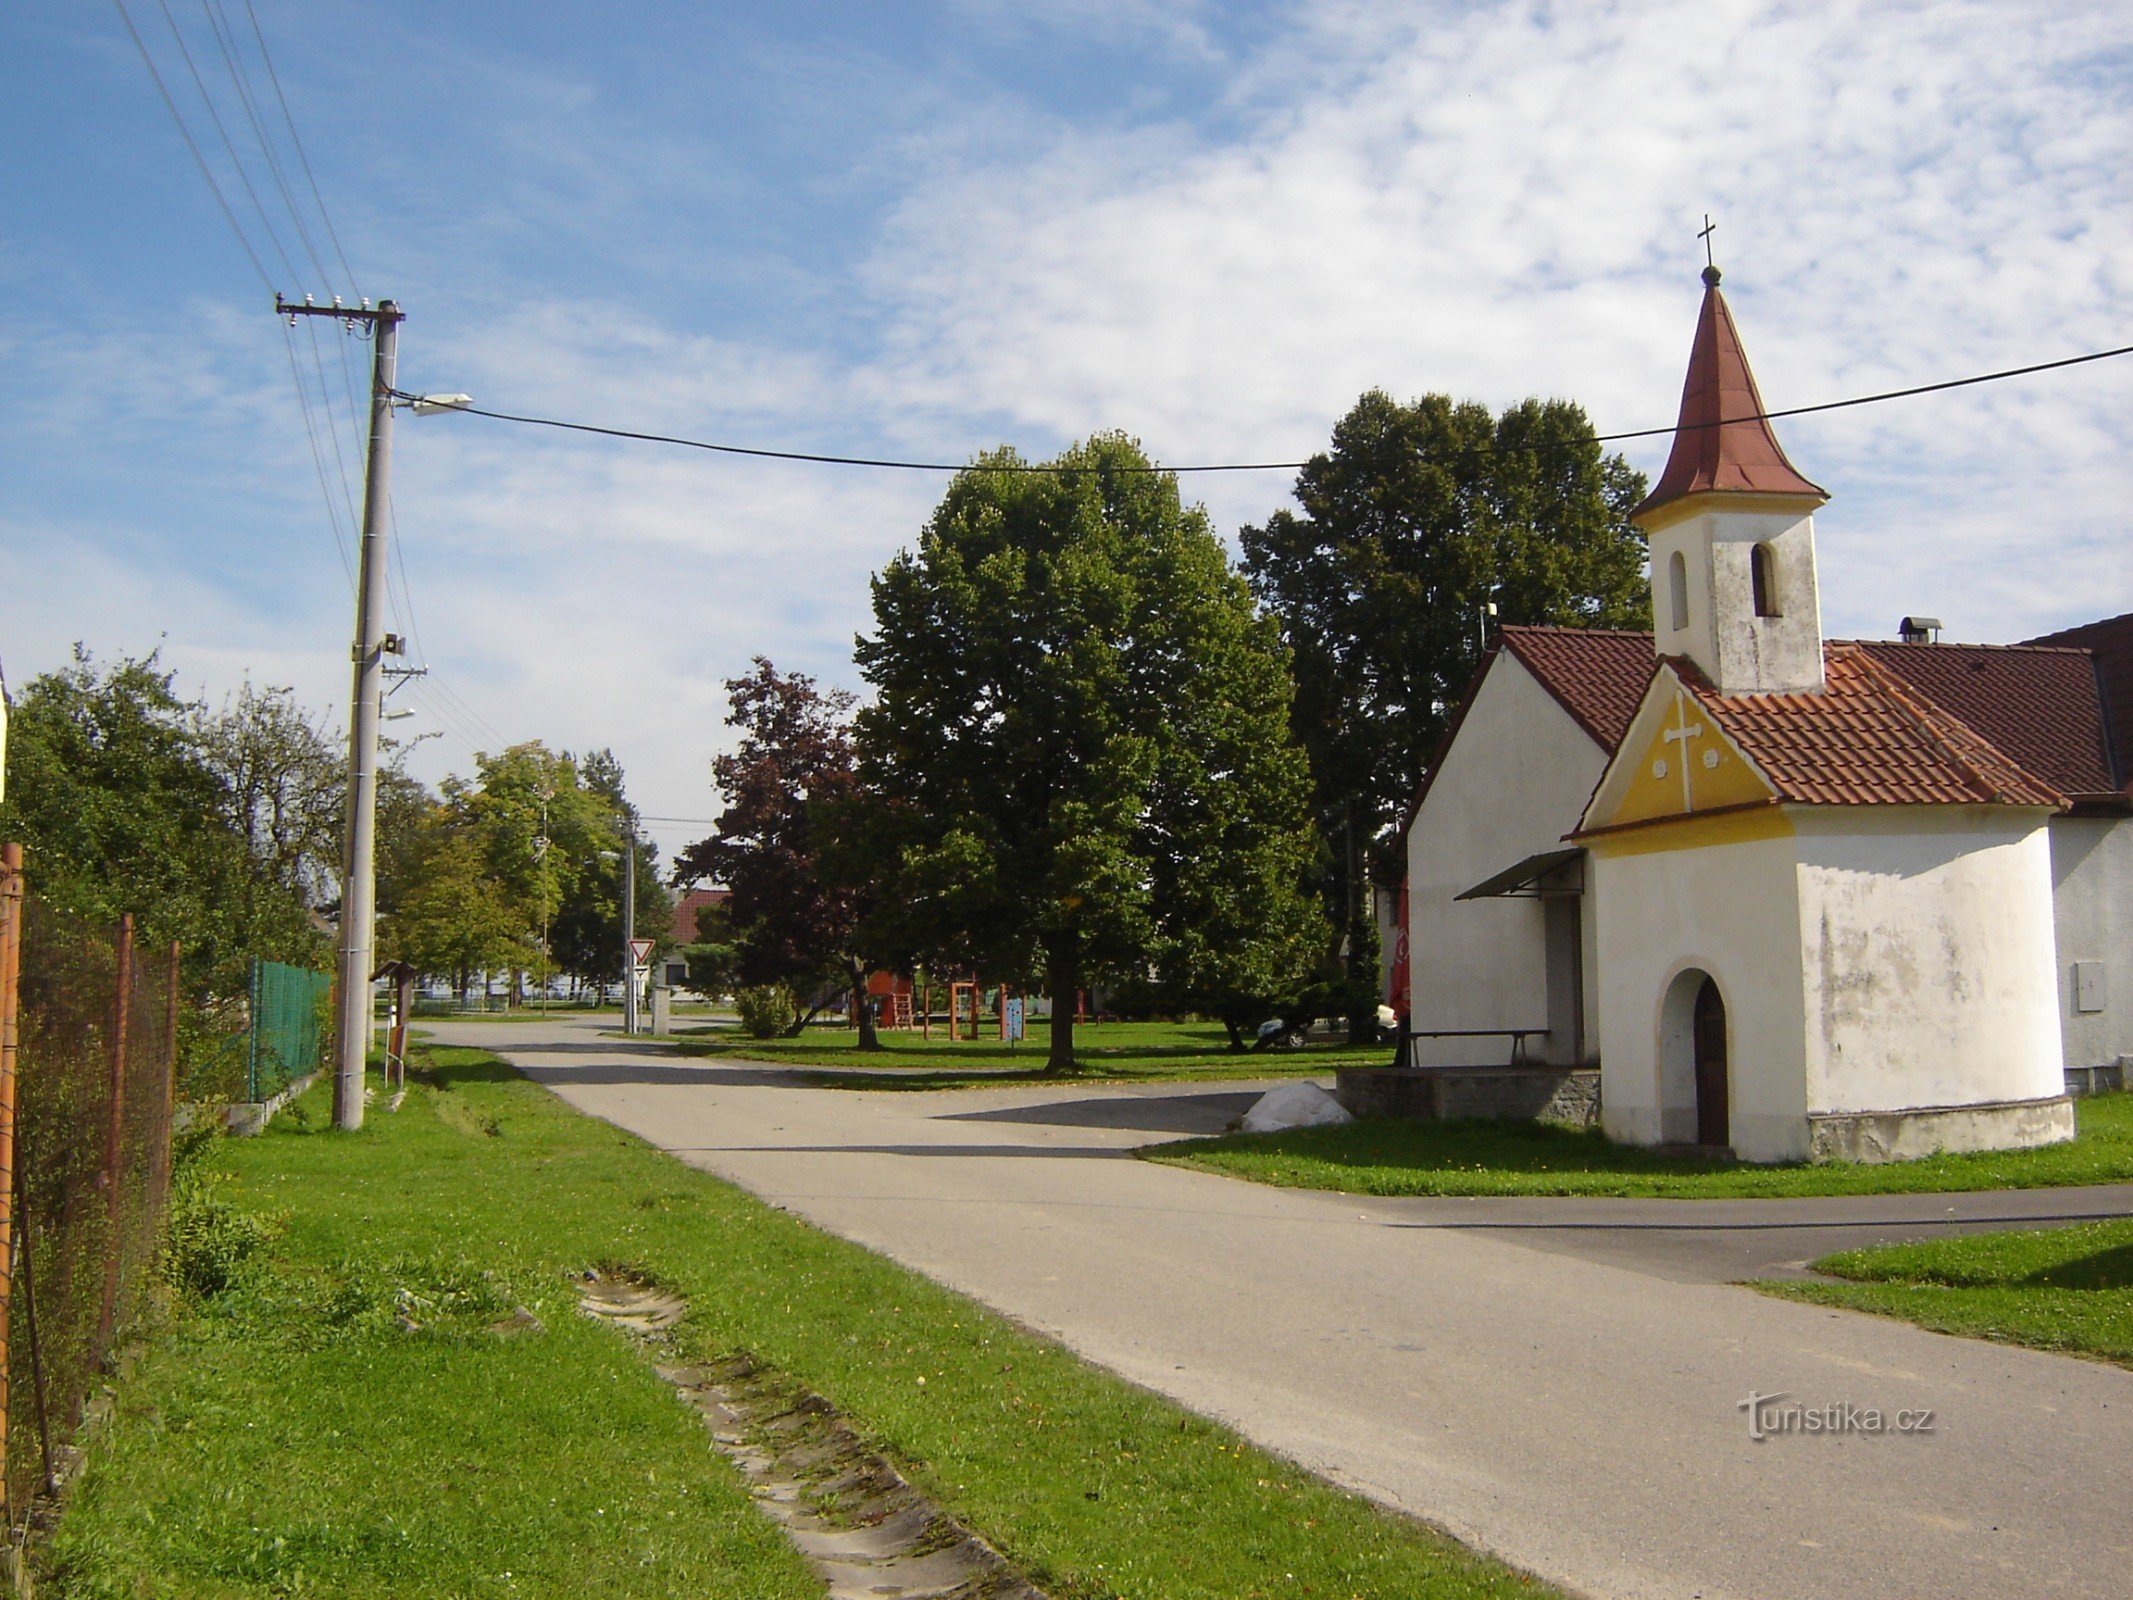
[766, 1010]
[211, 1244]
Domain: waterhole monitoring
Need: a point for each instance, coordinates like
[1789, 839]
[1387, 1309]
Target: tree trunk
[862, 1011]
[1063, 974]
[1236, 1034]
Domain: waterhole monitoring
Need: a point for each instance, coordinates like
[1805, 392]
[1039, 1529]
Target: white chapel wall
[1729, 911]
[1927, 947]
[2092, 884]
[1512, 784]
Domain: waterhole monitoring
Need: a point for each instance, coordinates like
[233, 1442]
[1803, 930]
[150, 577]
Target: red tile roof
[1595, 674]
[1868, 739]
[1722, 441]
[686, 905]
[2111, 643]
[2039, 706]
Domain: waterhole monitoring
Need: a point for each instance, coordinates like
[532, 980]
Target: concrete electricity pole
[359, 878]
[629, 927]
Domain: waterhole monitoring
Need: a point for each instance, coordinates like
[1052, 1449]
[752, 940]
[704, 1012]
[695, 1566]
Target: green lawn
[2059, 1289]
[1107, 1052]
[344, 1421]
[1393, 1156]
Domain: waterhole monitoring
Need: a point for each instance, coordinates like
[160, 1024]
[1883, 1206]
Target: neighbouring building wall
[1511, 785]
[1926, 943]
[2092, 883]
[1727, 908]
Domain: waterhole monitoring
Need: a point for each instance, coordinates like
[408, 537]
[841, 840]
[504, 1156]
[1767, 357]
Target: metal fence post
[160, 1195]
[10, 1038]
[112, 1177]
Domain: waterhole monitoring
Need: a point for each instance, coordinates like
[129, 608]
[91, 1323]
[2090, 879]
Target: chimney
[1920, 630]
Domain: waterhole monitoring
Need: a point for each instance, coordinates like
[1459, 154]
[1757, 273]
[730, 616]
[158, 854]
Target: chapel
[1790, 896]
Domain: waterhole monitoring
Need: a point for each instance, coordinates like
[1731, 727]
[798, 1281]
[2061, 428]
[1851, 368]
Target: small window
[1763, 567]
[1677, 581]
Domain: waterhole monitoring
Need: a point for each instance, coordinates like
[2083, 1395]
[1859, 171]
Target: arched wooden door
[1714, 1123]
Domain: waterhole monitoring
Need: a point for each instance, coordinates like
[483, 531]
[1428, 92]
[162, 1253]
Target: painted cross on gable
[1681, 733]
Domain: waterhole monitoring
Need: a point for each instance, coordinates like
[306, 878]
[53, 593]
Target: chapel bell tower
[1731, 530]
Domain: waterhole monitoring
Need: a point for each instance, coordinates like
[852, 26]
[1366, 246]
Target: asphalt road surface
[1558, 1381]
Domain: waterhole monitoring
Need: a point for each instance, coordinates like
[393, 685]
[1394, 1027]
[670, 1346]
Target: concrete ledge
[1930, 1130]
[1520, 1094]
[248, 1117]
[2103, 1078]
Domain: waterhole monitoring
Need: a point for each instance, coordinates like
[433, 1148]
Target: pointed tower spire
[1731, 530]
[1722, 443]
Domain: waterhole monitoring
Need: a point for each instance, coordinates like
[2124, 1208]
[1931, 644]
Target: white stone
[1295, 1105]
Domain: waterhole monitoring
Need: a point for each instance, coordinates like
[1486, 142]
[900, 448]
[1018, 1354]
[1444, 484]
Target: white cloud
[1491, 200]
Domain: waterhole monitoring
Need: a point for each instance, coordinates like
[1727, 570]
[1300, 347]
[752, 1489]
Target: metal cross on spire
[1710, 262]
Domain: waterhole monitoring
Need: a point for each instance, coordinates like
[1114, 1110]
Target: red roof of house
[1596, 674]
[1869, 738]
[2110, 642]
[1722, 441]
[2038, 705]
[686, 905]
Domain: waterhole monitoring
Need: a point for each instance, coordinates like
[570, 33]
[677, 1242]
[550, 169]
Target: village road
[1577, 1411]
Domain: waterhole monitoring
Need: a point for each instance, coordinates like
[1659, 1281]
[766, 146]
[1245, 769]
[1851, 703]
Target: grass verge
[1397, 1156]
[2068, 1289]
[1108, 1052]
[343, 1418]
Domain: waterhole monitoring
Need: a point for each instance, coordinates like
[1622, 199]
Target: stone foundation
[1929, 1130]
[1526, 1093]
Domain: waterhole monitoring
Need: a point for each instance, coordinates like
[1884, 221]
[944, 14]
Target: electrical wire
[228, 146]
[1241, 466]
[325, 216]
[199, 160]
[225, 40]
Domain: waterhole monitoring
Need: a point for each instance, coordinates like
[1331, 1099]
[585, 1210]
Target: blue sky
[928, 228]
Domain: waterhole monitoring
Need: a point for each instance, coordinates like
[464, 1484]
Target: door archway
[1714, 1120]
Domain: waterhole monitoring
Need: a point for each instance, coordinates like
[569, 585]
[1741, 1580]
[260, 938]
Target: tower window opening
[1763, 572]
[1677, 583]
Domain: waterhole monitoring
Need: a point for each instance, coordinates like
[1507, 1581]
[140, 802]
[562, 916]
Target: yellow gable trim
[1683, 765]
[1740, 826]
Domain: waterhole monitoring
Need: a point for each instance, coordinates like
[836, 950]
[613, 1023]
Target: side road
[1581, 1417]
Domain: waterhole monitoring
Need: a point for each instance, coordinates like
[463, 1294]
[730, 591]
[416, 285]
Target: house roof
[2110, 642]
[686, 905]
[1596, 674]
[1722, 441]
[2039, 706]
[1869, 738]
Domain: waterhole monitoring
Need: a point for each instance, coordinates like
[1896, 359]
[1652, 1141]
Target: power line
[1241, 466]
[191, 144]
[288, 121]
[215, 117]
[225, 40]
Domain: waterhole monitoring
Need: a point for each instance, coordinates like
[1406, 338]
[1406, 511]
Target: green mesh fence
[289, 1021]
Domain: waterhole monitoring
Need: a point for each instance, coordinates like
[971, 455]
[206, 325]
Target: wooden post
[112, 1178]
[10, 1037]
[403, 1000]
[1003, 1013]
[925, 1009]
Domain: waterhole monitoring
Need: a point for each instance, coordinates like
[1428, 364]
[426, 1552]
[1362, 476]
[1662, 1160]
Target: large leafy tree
[455, 916]
[130, 798]
[1079, 760]
[539, 830]
[1418, 519]
[587, 932]
[789, 918]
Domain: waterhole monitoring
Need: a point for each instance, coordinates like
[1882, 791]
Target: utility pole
[359, 886]
[629, 927]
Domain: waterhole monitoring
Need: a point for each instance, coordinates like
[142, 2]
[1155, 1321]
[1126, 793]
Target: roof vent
[1920, 630]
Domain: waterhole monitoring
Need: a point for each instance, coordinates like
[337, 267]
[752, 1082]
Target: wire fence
[91, 1078]
[95, 1047]
[291, 1010]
